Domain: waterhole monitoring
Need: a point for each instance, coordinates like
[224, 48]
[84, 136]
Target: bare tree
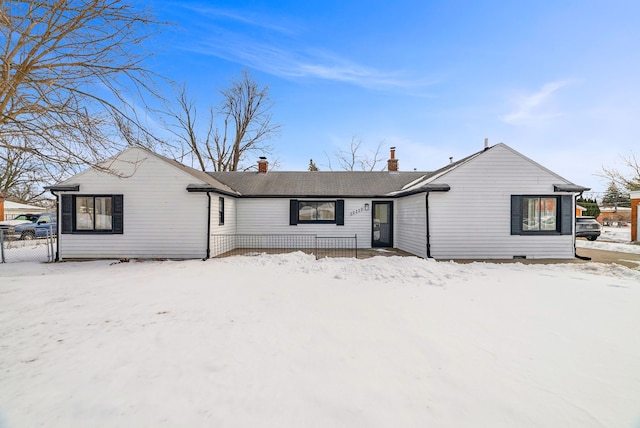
[68, 68]
[246, 126]
[248, 107]
[23, 177]
[352, 158]
[15, 170]
[630, 179]
[191, 143]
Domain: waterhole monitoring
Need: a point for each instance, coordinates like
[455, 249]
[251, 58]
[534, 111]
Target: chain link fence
[320, 246]
[32, 249]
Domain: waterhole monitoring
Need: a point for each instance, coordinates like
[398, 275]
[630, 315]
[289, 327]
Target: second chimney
[392, 163]
[263, 165]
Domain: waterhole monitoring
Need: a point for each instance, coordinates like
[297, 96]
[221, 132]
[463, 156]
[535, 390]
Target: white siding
[161, 219]
[473, 219]
[271, 216]
[229, 227]
[411, 230]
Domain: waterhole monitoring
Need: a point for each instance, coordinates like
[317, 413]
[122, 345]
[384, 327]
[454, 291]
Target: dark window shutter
[66, 217]
[293, 212]
[340, 212]
[117, 214]
[516, 214]
[566, 214]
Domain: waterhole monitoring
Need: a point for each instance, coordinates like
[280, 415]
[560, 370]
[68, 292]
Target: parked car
[29, 226]
[588, 227]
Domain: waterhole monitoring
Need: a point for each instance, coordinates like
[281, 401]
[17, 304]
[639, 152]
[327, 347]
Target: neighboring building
[14, 209]
[580, 211]
[610, 215]
[635, 216]
[495, 203]
[1, 206]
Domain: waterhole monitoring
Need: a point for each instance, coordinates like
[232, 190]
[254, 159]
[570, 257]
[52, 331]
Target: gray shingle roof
[200, 175]
[328, 183]
[317, 184]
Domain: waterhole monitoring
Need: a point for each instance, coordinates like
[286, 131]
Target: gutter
[426, 219]
[196, 188]
[575, 226]
[60, 188]
[208, 254]
[426, 188]
[205, 188]
[58, 225]
[63, 188]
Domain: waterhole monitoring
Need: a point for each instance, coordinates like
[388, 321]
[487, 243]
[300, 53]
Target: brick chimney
[263, 165]
[392, 163]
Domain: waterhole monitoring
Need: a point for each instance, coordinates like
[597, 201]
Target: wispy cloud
[536, 107]
[299, 62]
[267, 23]
[344, 71]
[268, 45]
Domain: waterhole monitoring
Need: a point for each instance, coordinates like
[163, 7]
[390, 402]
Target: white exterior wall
[473, 219]
[271, 216]
[218, 245]
[160, 218]
[230, 214]
[410, 229]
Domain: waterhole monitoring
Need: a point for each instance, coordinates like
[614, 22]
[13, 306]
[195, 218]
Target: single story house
[493, 204]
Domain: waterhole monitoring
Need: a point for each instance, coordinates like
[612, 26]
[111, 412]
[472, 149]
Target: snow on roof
[16, 206]
[614, 209]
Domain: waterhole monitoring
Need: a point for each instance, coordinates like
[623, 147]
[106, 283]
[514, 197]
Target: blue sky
[559, 81]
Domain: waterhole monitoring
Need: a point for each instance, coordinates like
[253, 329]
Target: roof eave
[205, 188]
[427, 188]
[316, 196]
[63, 188]
[573, 188]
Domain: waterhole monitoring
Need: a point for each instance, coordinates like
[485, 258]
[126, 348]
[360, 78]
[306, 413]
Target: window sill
[94, 232]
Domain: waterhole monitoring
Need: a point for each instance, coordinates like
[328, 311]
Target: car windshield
[29, 217]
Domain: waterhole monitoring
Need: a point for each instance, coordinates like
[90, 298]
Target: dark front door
[382, 224]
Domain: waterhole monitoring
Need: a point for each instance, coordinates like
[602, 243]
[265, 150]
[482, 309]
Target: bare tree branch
[352, 159]
[68, 69]
[246, 127]
[248, 107]
[23, 177]
[629, 179]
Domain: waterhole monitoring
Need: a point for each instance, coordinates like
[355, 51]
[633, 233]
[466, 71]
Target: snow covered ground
[612, 239]
[616, 234]
[288, 341]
